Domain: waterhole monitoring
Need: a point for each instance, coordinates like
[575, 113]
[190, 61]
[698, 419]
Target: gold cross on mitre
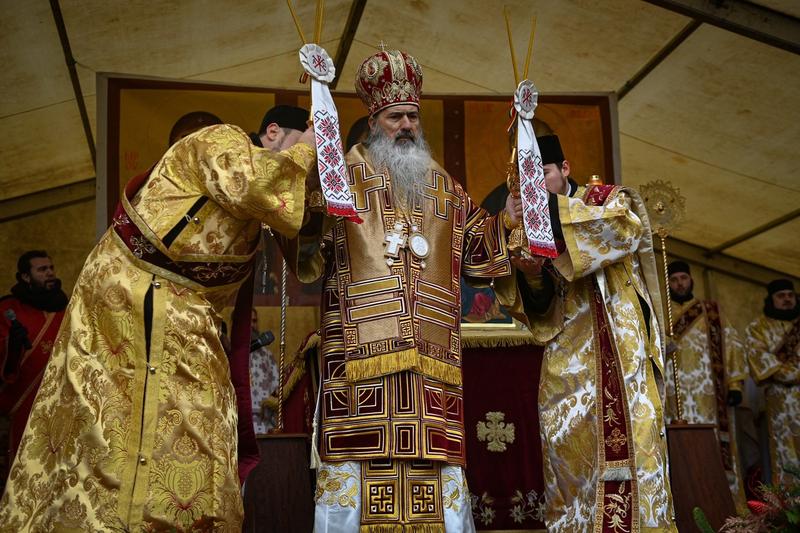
[382, 46]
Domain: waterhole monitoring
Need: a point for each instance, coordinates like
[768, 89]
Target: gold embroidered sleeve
[485, 248]
[596, 236]
[252, 182]
[788, 374]
[544, 327]
[735, 365]
[305, 253]
[763, 363]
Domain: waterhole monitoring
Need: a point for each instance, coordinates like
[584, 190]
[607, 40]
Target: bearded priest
[711, 370]
[391, 419]
[773, 344]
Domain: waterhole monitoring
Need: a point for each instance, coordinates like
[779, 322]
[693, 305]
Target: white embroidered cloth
[330, 154]
[533, 191]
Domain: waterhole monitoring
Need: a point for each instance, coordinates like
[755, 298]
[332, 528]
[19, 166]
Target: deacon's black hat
[285, 116]
[678, 266]
[550, 149]
[778, 285]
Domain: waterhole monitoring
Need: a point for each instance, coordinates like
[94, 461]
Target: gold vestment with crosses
[391, 351]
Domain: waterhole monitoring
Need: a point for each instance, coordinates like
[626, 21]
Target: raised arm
[252, 182]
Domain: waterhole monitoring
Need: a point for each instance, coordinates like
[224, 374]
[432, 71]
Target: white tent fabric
[719, 117]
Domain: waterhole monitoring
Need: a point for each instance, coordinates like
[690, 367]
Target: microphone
[265, 339]
[15, 325]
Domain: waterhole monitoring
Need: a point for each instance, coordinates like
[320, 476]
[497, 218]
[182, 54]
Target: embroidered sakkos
[604, 451]
[134, 427]
[774, 355]
[391, 352]
[711, 362]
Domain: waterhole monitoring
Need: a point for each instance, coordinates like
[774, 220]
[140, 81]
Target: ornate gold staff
[282, 359]
[666, 207]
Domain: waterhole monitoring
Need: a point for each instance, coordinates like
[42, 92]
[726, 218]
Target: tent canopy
[712, 111]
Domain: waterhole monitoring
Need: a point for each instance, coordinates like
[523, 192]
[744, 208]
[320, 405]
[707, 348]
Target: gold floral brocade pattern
[337, 484]
[698, 384]
[781, 378]
[608, 243]
[131, 435]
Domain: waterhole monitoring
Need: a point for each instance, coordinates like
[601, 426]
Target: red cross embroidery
[319, 63]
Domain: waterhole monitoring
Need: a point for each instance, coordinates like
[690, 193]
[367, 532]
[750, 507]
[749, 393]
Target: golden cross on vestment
[440, 195]
[361, 185]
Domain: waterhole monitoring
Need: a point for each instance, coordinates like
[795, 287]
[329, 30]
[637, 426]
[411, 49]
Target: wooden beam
[726, 264]
[742, 17]
[73, 76]
[39, 202]
[754, 232]
[350, 28]
[657, 59]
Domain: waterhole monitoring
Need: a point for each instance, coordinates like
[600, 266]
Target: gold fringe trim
[499, 339]
[403, 528]
[440, 370]
[381, 365]
[391, 363]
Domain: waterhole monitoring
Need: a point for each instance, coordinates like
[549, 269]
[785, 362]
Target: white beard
[407, 163]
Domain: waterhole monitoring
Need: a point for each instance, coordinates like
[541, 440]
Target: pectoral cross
[394, 240]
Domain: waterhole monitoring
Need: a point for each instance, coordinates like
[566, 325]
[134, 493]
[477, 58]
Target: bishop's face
[400, 122]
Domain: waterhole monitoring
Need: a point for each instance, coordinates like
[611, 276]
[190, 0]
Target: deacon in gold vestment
[597, 309]
[391, 419]
[711, 369]
[135, 424]
[773, 344]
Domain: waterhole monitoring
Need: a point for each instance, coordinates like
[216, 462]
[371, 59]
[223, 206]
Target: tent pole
[73, 76]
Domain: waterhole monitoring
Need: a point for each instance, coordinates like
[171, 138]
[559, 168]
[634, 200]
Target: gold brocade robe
[135, 424]
[781, 379]
[608, 252]
[699, 387]
[391, 350]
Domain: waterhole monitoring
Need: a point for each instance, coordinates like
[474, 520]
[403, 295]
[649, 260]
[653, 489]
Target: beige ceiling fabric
[718, 117]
